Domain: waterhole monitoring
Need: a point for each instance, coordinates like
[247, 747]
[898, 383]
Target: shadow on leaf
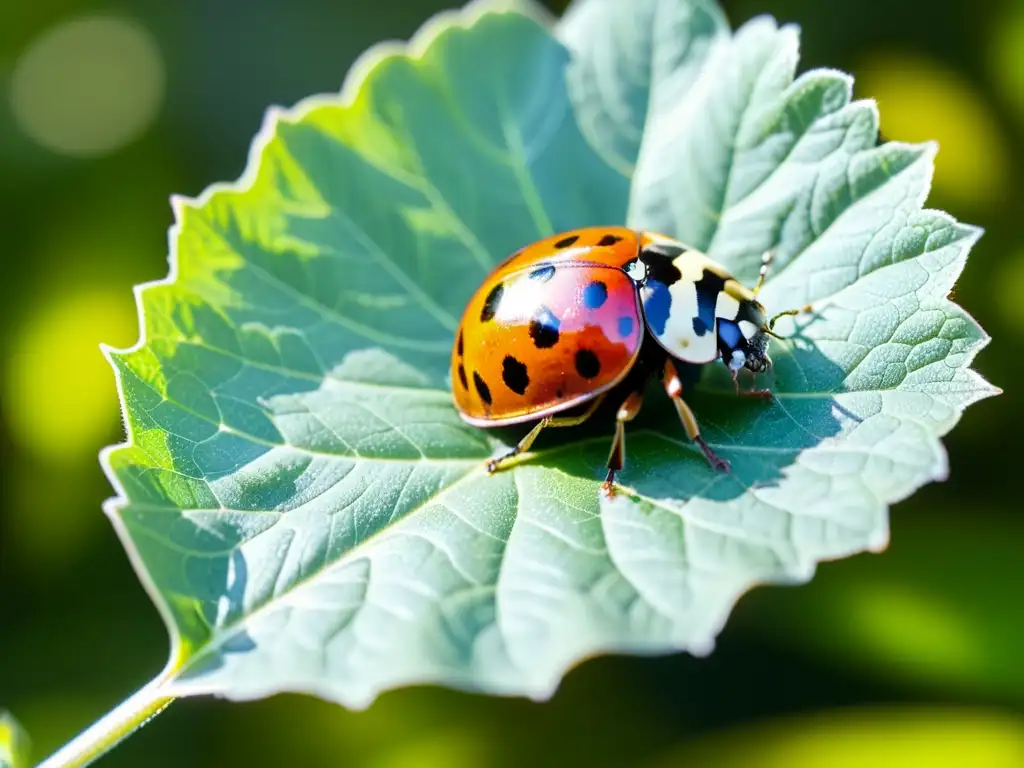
[759, 439]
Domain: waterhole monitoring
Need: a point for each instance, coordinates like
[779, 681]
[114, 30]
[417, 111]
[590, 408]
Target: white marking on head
[637, 270]
[726, 306]
[737, 360]
[747, 328]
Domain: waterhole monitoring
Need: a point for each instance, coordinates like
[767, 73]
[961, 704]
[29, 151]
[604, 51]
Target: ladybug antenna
[771, 323]
[766, 261]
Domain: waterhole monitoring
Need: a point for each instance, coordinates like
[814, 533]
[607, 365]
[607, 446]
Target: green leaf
[299, 495]
[14, 742]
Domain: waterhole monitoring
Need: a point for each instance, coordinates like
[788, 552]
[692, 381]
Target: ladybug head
[743, 341]
[755, 348]
[756, 353]
[756, 356]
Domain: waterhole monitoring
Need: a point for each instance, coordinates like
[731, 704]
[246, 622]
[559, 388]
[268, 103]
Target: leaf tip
[767, 25]
[792, 31]
[179, 202]
[929, 148]
[835, 74]
[701, 648]
[111, 506]
[109, 351]
[984, 389]
[180, 206]
[428, 32]
[878, 540]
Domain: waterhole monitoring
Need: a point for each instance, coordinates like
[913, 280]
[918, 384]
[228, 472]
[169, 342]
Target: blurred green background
[911, 657]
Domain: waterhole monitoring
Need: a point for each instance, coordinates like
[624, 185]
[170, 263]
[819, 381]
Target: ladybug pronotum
[562, 322]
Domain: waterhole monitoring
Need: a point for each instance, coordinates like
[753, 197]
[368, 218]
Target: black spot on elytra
[559, 393]
[462, 376]
[609, 240]
[587, 364]
[660, 268]
[481, 388]
[544, 328]
[625, 326]
[595, 294]
[708, 288]
[565, 242]
[491, 303]
[543, 274]
[459, 345]
[514, 374]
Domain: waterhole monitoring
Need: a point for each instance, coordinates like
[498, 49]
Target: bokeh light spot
[59, 393]
[462, 748]
[911, 629]
[919, 99]
[1006, 56]
[88, 86]
[882, 737]
[14, 743]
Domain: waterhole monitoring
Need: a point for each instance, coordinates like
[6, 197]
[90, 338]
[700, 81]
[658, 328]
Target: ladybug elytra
[565, 320]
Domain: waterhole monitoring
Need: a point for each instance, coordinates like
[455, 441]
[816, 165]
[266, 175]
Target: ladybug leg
[493, 465]
[756, 394]
[674, 389]
[617, 457]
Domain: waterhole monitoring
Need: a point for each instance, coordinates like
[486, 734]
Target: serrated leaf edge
[361, 68]
[358, 72]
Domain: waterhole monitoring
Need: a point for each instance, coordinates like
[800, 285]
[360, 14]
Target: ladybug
[564, 321]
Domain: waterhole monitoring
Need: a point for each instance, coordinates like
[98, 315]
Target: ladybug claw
[493, 465]
[608, 486]
[756, 394]
[717, 462]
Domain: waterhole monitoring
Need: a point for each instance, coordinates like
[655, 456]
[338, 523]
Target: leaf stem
[115, 726]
